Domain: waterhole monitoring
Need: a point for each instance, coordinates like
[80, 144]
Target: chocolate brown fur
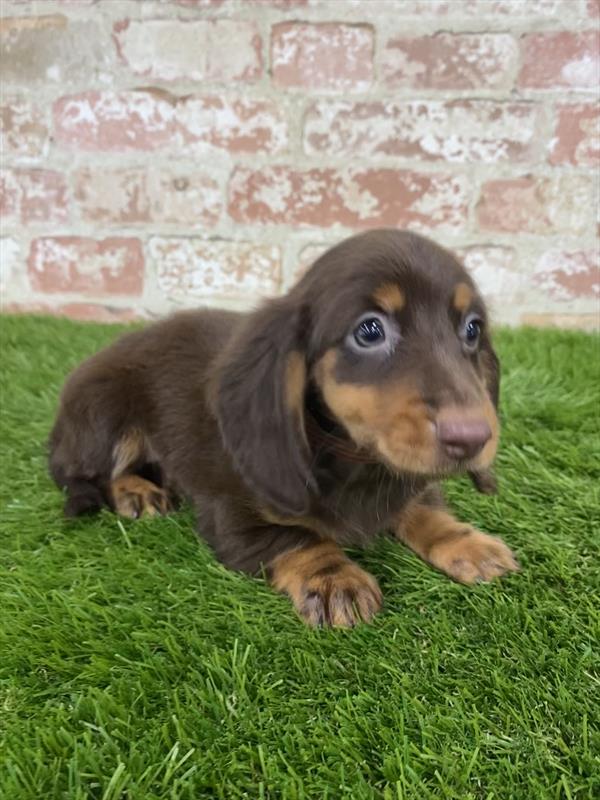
[289, 438]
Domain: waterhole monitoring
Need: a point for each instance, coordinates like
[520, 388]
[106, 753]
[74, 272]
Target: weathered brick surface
[23, 126]
[322, 56]
[51, 49]
[583, 321]
[165, 153]
[76, 264]
[563, 204]
[560, 60]
[459, 130]
[568, 275]
[30, 196]
[450, 61]
[202, 270]
[10, 265]
[238, 125]
[156, 120]
[114, 121]
[576, 135]
[84, 312]
[355, 198]
[147, 195]
[495, 268]
[194, 50]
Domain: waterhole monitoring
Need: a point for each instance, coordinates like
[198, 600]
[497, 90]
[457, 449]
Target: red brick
[586, 322]
[147, 195]
[459, 130]
[567, 275]
[359, 197]
[10, 267]
[51, 49]
[238, 125]
[307, 257]
[33, 195]
[196, 269]
[562, 204]
[23, 128]
[282, 5]
[577, 135]
[78, 264]
[322, 56]
[155, 119]
[560, 60]
[450, 61]
[498, 273]
[94, 312]
[196, 3]
[196, 50]
[115, 121]
[593, 8]
[512, 8]
[83, 312]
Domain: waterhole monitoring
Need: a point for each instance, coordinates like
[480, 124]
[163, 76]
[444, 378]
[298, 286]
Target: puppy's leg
[325, 586]
[459, 550]
[133, 496]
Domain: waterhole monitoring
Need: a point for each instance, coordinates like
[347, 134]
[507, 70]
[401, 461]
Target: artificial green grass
[134, 666]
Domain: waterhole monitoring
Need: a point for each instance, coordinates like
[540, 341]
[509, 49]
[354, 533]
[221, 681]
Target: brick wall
[159, 154]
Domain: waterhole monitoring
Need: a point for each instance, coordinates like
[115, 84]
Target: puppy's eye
[370, 332]
[472, 332]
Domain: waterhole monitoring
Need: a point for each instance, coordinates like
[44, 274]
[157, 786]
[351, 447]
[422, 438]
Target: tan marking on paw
[459, 550]
[473, 558]
[326, 587]
[135, 497]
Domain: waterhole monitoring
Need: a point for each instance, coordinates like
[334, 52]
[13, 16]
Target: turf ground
[134, 666]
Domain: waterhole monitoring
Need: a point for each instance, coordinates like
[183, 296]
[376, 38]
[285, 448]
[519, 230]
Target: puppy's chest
[355, 507]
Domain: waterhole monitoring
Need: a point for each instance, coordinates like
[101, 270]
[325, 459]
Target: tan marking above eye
[389, 297]
[463, 295]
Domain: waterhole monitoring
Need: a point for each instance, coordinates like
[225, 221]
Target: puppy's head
[391, 333]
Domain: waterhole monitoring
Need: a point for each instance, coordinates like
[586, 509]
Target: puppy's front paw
[343, 599]
[326, 587]
[135, 497]
[473, 557]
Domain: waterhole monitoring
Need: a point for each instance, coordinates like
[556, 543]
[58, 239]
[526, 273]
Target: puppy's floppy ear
[485, 480]
[259, 402]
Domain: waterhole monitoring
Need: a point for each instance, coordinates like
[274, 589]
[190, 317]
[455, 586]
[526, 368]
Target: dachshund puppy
[323, 418]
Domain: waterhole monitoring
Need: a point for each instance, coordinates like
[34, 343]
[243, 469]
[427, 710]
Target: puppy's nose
[463, 438]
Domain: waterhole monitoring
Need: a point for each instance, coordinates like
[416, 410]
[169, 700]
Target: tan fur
[325, 586]
[459, 550]
[127, 450]
[311, 523]
[295, 384]
[135, 497]
[393, 422]
[463, 297]
[389, 297]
